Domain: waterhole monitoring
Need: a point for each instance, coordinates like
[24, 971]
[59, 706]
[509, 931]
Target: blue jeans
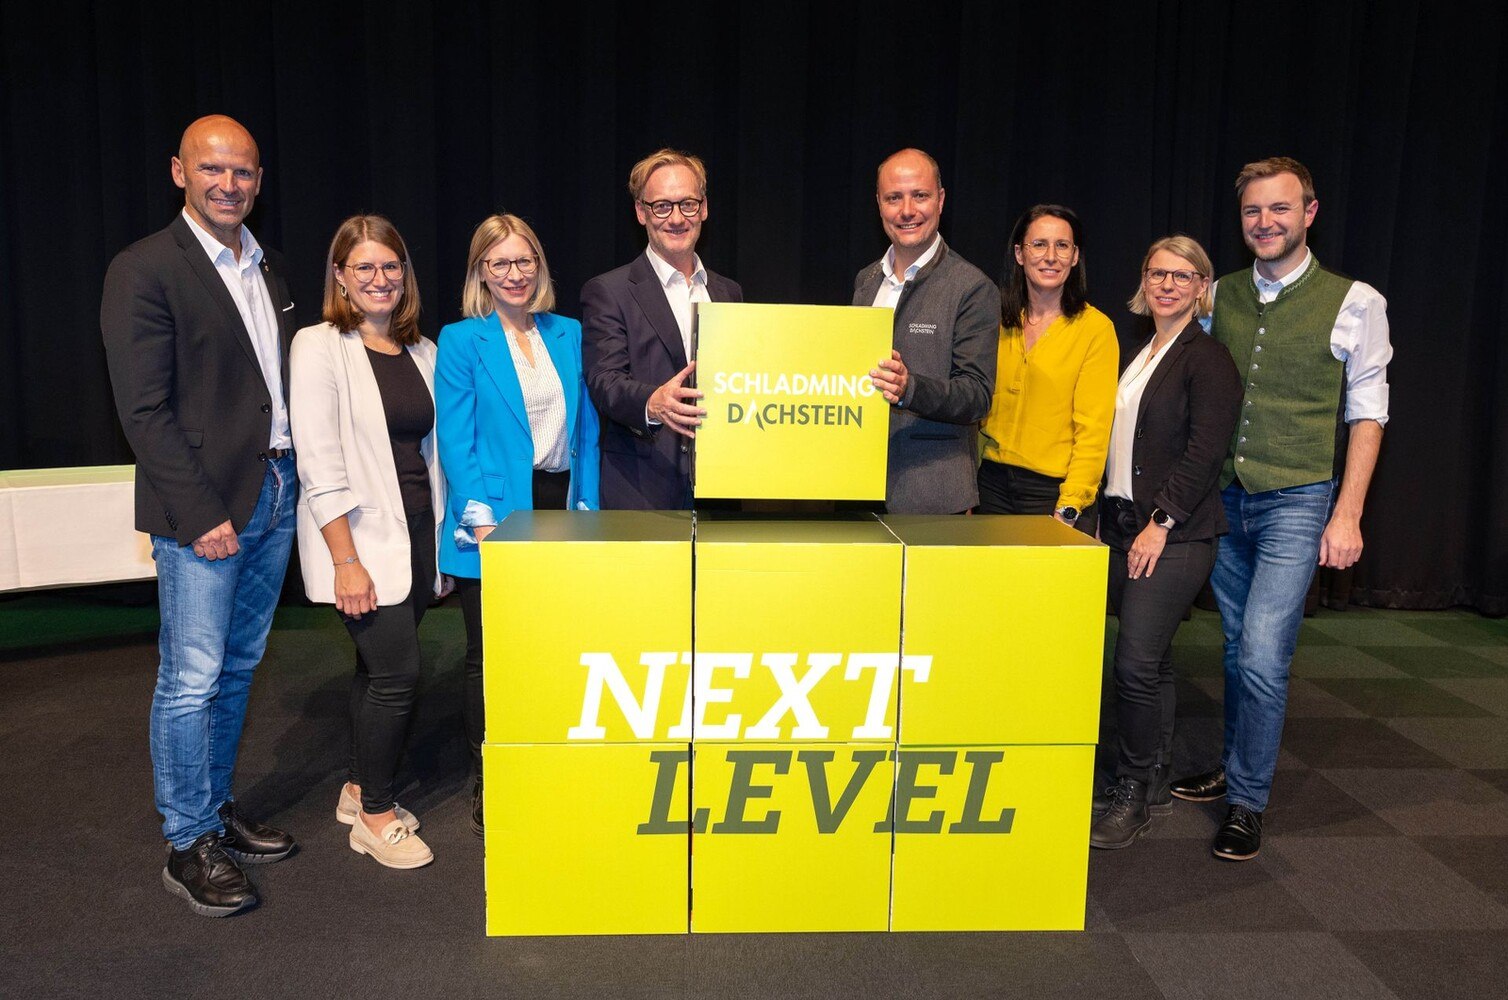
[215, 617]
[1261, 576]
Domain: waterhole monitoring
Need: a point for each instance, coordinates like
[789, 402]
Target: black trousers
[551, 490]
[387, 673]
[1150, 609]
[1010, 489]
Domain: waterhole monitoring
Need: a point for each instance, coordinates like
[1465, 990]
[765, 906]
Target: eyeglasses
[500, 266]
[1037, 249]
[392, 270]
[690, 207]
[1183, 279]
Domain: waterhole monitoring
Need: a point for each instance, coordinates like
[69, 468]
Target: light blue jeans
[215, 617]
[1261, 576]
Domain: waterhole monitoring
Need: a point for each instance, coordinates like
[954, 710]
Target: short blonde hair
[638, 177]
[337, 309]
[476, 298]
[1189, 249]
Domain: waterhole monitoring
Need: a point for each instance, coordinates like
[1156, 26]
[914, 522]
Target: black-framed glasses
[1183, 279]
[690, 207]
[364, 272]
[1037, 249]
[500, 266]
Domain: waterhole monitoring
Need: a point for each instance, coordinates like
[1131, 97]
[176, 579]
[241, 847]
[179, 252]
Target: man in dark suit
[636, 339]
[196, 321]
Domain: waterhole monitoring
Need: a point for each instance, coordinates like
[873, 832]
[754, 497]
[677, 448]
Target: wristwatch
[1163, 519]
[1069, 514]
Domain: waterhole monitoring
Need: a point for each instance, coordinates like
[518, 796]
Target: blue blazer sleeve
[455, 416]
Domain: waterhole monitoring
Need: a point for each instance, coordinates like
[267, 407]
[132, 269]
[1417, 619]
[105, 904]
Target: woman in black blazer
[1178, 402]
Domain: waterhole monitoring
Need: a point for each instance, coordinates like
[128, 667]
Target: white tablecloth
[65, 527]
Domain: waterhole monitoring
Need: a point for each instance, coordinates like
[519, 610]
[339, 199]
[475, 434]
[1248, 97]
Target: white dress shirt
[243, 279]
[1359, 338]
[1134, 379]
[544, 402]
[890, 286]
[680, 293]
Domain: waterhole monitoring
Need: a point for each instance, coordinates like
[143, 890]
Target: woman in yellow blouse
[1048, 428]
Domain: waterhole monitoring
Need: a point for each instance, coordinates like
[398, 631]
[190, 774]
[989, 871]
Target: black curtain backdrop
[1137, 114]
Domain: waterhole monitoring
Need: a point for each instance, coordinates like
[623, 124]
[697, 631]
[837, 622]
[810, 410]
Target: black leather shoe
[209, 879]
[1240, 836]
[1125, 820]
[476, 806]
[1159, 798]
[250, 842]
[1206, 787]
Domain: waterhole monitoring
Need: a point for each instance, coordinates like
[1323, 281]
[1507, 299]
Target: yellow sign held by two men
[791, 411]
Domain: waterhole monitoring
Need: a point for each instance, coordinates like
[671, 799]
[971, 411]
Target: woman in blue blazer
[516, 428]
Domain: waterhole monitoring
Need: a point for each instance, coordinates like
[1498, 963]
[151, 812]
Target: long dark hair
[1013, 277]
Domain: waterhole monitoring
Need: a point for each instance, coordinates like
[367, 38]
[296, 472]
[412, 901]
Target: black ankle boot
[1160, 791]
[1159, 794]
[1126, 818]
[476, 806]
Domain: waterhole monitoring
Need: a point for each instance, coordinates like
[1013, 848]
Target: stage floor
[1383, 873]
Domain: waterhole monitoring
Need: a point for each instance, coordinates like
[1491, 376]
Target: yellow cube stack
[999, 738]
[803, 763]
[797, 647]
[585, 766]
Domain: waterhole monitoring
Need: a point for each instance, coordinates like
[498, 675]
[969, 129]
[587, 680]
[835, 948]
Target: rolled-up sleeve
[1361, 339]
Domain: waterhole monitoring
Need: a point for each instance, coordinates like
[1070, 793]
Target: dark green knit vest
[1292, 428]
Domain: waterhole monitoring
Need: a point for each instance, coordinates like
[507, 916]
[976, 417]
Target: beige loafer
[349, 805]
[396, 846]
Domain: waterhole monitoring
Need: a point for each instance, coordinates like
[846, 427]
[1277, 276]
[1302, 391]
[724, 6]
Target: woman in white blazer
[363, 417]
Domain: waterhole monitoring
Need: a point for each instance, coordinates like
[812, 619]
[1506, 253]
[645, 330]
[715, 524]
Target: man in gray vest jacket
[1313, 348]
[940, 375]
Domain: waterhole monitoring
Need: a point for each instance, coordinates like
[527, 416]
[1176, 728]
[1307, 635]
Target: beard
[1287, 245]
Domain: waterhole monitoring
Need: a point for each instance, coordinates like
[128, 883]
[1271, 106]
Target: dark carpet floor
[1384, 872]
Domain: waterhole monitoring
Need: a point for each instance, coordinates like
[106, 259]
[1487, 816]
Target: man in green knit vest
[1313, 348]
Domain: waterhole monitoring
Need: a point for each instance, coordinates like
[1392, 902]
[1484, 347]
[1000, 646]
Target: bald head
[220, 170]
[914, 159]
[212, 129]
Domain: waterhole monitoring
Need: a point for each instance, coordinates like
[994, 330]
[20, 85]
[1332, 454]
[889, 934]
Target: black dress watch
[1163, 519]
[1069, 514]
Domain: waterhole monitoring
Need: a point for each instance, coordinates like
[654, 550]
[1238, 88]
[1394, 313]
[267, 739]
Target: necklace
[1152, 355]
[381, 346]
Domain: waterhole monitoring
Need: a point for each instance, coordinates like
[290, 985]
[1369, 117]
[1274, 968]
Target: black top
[410, 418]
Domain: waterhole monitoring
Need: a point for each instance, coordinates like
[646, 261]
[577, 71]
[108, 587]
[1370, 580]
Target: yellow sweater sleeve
[1093, 410]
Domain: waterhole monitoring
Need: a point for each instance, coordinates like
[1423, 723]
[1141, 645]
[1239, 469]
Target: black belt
[274, 453]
